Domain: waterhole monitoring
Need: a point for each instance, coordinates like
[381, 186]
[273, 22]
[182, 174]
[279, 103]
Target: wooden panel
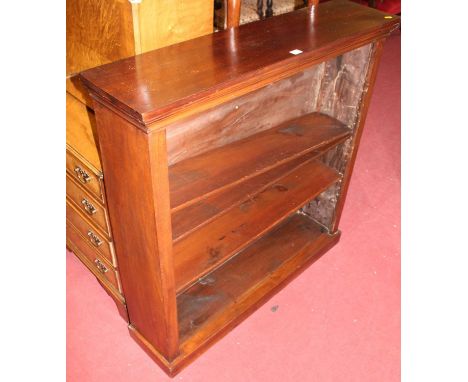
[106, 273]
[227, 64]
[90, 207]
[91, 234]
[137, 190]
[199, 176]
[212, 244]
[345, 86]
[81, 131]
[165, 22]
[244, 116]
[98, 32]
[227, 293]
[359, 126]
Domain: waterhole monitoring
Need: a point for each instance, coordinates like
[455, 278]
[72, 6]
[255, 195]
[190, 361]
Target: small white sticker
[296, 52]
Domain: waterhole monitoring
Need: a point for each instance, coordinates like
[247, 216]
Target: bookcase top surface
[163, 82]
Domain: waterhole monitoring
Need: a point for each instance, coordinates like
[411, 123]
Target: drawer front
[90, 207]
[94, 237]
[83, 174]
[92, 259]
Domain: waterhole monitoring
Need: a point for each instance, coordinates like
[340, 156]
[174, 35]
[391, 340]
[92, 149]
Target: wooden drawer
[93, 235]
[104, 271]
[90, 207]
[89, 179]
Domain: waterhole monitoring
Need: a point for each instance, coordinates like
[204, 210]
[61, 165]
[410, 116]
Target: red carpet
[338, 321]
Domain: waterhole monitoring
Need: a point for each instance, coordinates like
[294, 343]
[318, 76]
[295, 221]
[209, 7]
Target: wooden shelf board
[186, 220]
[217, 170]
[209, 246]
[195, 215]
[223, 297]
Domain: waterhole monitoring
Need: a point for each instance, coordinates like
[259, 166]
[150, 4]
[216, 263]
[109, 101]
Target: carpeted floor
[338, 321]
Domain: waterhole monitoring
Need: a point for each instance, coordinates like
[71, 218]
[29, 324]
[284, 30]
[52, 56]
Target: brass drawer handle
[94, 239]
[89, 208]
[100, 266]
[82, 175]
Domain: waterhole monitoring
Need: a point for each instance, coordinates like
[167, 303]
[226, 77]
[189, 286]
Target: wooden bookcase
[227, 160]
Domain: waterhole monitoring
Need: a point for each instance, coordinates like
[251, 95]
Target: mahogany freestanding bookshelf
[226, 161]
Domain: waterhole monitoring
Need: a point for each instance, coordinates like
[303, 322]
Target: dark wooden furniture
[227, 161]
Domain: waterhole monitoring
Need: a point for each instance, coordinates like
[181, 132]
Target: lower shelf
[221, 299]
[208, 247]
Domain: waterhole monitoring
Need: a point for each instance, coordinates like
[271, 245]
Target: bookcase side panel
[360, 119]
[135, 167]
[344, 95]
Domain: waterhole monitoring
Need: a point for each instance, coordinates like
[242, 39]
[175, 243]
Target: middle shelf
[215, 242]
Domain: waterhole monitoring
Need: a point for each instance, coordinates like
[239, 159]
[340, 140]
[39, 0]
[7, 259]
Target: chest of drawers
[89, 233]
